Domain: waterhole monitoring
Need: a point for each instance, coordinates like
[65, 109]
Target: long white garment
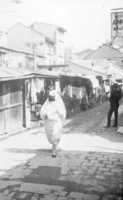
[53, 113]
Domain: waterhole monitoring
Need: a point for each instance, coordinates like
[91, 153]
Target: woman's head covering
[52, 95]
[58, 105]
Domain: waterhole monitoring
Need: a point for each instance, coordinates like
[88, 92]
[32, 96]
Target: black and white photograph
[61, 99]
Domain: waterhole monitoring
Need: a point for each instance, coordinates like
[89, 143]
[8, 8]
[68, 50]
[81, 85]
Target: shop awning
[13, 74]
[94, 81]
[76, 81]
[47, 73]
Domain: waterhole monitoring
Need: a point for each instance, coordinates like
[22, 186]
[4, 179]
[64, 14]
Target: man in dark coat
[115, 96]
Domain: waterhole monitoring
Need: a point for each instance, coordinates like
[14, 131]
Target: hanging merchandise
[70, 90]
[94, 81]
[39, 84]
[77, 92]
[57, 86]
[33, 92]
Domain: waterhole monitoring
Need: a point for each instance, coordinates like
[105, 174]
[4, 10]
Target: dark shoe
[53, 155]
[54, 152]
[114, 126]
[107, 126]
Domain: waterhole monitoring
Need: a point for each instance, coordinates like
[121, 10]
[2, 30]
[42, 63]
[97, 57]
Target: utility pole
[34, 57]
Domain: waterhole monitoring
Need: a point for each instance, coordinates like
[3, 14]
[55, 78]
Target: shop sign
[117, 22]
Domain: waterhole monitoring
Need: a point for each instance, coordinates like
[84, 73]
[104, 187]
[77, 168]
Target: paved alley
[88, 166]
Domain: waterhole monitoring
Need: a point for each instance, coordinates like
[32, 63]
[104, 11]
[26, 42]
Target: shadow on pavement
[95, 172]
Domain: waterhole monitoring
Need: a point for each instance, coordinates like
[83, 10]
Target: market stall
[13, 113]
[75, 92]
[38, 90]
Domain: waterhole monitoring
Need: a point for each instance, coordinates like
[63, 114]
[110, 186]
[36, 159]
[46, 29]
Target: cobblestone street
[89, 164]
[61, 100]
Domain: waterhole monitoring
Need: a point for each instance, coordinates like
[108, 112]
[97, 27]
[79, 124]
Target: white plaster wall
[22, 38]
[3, 39]
[15, 60]
[59, 47]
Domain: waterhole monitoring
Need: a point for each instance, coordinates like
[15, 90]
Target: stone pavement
[72, 175]
[89, 166]
[85, 176]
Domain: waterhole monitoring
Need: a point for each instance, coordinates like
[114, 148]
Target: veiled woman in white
[53, 112]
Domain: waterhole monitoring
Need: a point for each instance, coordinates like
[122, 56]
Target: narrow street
[89, 164]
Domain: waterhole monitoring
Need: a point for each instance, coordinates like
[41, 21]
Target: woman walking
[53, 113]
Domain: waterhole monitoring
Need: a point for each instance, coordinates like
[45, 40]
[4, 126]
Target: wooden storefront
[39, 86]
[11, 105]
[13, 113]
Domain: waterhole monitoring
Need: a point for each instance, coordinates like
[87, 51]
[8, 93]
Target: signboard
[117, 23]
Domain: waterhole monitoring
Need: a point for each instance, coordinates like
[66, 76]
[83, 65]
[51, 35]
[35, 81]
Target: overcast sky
[87, 21]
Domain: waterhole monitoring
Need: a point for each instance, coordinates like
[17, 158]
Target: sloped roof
[26, 27]
[28, 38]
[89, 66]
[76, 70]
[101, 67]
[105, 51]
[47, 29]
[118, 42]
[7, 73]
[47, 73]
[117, 9]
[71, 69]
[84, 53]
[5, 50]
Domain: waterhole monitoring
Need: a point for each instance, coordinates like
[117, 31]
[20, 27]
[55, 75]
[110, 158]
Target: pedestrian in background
[115, 96]
[53, 113]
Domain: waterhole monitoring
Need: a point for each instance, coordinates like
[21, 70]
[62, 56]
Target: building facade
[23, 39]
[3, 38]
[18, 59]
[54, 36]
[44, 41]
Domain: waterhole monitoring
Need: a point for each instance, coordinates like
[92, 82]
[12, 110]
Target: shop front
[38, 88]
[75, 92]
[11, 106]
[13, 103]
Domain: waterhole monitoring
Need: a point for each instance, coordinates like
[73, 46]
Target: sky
[87, 22]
